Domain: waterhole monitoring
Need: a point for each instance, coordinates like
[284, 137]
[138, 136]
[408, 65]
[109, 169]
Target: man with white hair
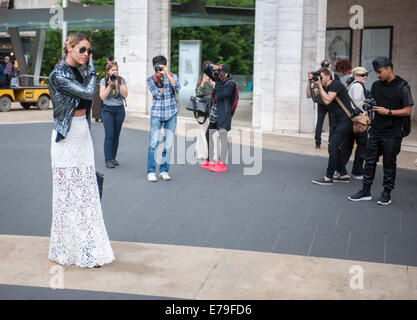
[357, 94]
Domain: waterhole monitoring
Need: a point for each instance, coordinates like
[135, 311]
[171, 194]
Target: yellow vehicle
[27, 96]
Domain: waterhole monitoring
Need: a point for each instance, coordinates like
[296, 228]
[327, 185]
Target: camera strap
[343, 106]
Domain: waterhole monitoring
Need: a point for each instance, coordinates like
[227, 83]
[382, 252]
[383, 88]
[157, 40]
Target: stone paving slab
[153, 270]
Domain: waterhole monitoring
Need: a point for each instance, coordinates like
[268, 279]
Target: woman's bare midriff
[79, 113]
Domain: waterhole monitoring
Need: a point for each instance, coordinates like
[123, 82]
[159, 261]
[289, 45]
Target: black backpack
[406, 129]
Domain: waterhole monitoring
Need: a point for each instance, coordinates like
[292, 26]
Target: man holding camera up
[322, 109]
[221, 114]
[163, 86]
[341, 130]
[394, 104]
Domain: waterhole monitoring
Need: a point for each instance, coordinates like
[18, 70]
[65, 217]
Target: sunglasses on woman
[362, 75]
[84, 49]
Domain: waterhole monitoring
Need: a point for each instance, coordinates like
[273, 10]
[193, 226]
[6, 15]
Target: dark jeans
[389, 148]
[223, 142]
[360, 154]
[112, 118]
[321, 114]
[340, 148]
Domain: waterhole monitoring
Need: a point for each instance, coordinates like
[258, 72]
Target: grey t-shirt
[114, 98]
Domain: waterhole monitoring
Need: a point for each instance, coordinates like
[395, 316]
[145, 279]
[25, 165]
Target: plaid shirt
[164, 105]
[10, 70]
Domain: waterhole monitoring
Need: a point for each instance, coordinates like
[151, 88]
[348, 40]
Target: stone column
[142, 30]
[289, 42]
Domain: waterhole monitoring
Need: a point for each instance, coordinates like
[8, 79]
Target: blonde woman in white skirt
[78, 233]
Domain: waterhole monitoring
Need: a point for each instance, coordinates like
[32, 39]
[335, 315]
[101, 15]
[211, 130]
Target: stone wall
[142, 31]
[402, 15]
[289, 42]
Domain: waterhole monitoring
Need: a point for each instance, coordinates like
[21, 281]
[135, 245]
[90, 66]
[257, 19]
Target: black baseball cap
[224, 67]
[381, 62]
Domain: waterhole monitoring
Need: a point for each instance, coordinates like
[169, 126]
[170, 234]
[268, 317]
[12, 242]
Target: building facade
[290, 41]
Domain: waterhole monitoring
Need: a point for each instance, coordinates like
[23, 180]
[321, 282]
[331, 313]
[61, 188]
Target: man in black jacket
[393, 98]
[223, 97]
[341, 131]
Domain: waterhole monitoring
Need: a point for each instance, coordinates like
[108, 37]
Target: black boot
[385, 198]
[363, 195]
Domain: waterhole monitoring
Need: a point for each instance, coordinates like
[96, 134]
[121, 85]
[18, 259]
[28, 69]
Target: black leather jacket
[66, 93]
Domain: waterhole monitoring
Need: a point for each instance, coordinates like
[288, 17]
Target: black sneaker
[115, 163]
[385, 199]
[361, 196]
[342, 180]
[323, 182]
[110, 165]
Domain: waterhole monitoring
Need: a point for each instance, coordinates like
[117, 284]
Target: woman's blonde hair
[74, 39]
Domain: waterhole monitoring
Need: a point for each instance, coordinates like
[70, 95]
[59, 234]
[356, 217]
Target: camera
[113, 78]
[217, 73]
[369, 104]
[157, 67]
[316, 76]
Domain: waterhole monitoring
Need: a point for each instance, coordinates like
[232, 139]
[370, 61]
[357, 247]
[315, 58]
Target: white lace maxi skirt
[78, 233]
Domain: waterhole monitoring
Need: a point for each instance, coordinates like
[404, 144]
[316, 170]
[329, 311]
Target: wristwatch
[390, 113]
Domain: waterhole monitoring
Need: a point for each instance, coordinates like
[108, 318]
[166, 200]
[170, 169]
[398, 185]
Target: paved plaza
[206, 235]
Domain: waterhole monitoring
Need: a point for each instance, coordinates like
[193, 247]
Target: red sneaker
[207, 164]
[218, 167]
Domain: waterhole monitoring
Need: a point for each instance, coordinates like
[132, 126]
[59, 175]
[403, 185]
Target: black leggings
[210, 142]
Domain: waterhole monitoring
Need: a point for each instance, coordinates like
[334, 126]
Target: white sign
[189, 69]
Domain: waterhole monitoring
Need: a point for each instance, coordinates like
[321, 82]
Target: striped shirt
[164, 105]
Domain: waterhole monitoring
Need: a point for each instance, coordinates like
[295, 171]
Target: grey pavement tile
[384, 219]
[401, 249]
[294, 212]
[162, 229]
[323, 215]
[259, 239]
[195, 231]
[227, 233]
[295, 240]
[330, 242]
[353, 218]
[409, 222]
[367, 246]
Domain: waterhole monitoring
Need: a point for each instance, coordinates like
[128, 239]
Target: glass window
[374, 42]
[338, 44]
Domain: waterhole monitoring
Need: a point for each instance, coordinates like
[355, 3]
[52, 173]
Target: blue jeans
[113, 118]
[155, 131]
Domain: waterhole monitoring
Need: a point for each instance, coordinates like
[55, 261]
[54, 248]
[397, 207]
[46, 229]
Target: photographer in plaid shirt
[163, 85]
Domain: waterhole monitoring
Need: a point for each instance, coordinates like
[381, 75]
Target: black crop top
[83, 103]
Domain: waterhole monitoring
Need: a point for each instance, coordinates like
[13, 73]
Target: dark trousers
[112, 118]
[360, 154]
[223, 142]
[340, 148]
[321, 114]
[389, 148]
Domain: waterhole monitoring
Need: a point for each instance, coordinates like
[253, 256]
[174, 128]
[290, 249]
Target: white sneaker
[165, 176]
[152, 177]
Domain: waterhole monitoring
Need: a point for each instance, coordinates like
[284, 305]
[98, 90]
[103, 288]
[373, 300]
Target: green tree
[102, 42]
[232, 45]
